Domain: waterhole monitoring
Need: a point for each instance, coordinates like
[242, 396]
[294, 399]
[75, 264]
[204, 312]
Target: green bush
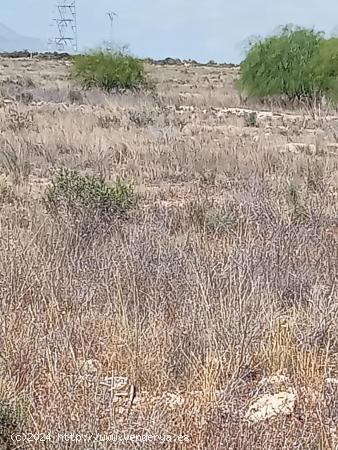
[86, 199]
[325, 68]
[108, 71]
[281, 65]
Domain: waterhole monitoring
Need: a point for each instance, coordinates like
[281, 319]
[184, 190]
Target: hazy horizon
[182, 29]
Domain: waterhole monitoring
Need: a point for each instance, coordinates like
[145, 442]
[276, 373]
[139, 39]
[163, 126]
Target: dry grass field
[218, 291]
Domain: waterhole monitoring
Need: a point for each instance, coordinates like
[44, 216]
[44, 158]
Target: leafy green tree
[325, 68]
[281, 64]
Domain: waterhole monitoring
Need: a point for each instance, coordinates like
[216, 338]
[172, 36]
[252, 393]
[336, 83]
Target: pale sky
[195, 29]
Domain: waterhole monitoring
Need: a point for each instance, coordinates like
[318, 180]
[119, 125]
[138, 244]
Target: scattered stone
[268, 406]
[115, 383]
[173, 400]
[91, 368]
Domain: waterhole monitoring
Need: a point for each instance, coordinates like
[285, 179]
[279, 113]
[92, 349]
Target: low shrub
[87, 200]
[108, 71]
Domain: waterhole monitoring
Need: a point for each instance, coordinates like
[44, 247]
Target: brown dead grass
[216, 280]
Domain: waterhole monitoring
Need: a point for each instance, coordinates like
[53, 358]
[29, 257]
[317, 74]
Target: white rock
[115, 383]
[173, 400]
[91, 368]
[268, 406]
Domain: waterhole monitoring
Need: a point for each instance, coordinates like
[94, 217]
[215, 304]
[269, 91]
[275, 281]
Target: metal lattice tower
[66, 25]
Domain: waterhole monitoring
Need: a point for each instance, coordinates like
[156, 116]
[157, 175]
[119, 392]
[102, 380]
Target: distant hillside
[11, 41]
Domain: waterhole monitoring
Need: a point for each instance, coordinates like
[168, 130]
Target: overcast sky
[196, 29]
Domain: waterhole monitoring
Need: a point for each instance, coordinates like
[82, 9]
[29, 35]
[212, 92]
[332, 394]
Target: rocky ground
[208, 318]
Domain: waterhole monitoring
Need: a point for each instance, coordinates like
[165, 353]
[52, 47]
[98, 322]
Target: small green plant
[108, 71]
[250, 119]
[87, 199]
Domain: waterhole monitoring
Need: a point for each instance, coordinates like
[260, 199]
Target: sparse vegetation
[109, 71]
[175, 317]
